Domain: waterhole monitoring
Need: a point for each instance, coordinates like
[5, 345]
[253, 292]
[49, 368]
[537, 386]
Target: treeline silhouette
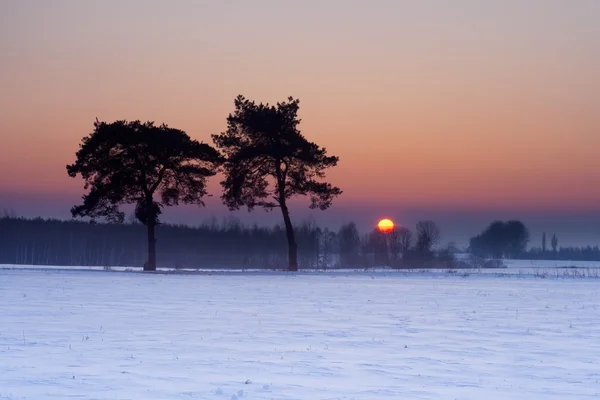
[584, 253]
[509, 239]
[41, 241]
[230, 244]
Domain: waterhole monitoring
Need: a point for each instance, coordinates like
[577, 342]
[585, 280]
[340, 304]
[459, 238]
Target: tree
[501, 239]
[517, 237]
[327, 246]
[405, 239]
[554, 242]
[375, 244]
[400, 240]
[349, 244]
[394, 245]
[428, 234]
[544, 242]
[268, 161]
[130, 162]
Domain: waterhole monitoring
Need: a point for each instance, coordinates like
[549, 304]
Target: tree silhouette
[554, 242]
[376, 243]
[501, 239]
[428, 235]
[544, 242]
[405, 239]
[349, 245]
[268, 161]
[129, 162]
[399, 241]
[518, 235]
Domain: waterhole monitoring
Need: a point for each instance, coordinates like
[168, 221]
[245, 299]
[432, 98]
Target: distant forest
[227, 244]
[77, 243]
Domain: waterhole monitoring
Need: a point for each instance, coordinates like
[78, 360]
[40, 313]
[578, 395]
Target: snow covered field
[308, 336]
[549, 268]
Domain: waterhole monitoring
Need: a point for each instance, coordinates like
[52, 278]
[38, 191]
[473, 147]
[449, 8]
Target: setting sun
[385, 225]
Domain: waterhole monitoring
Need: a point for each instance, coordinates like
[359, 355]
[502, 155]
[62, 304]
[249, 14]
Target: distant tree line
[231, 244]
[510, 240]
[228, 244]
[399, 248]
[582, 253]
[554, 252]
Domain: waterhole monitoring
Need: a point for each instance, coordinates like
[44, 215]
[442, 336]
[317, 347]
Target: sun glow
[385, 225]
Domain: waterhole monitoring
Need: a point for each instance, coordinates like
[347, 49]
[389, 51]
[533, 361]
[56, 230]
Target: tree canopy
[131, 162]
[428, 235]
[349, 244]
[501, 239]
[268, 161]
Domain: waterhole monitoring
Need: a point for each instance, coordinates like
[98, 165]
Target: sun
[385, 225]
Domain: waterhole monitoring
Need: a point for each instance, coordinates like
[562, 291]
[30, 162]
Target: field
[306, 336]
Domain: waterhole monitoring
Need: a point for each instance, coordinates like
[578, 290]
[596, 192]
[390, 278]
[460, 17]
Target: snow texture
[68, 334]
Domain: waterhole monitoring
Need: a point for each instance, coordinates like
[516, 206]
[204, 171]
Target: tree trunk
[151, 264]
[292, 246]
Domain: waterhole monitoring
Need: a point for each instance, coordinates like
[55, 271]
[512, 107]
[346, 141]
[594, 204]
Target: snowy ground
[548, 268]
[279, 336]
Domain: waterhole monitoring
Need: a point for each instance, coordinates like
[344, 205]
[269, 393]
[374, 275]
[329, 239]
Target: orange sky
[469, 104]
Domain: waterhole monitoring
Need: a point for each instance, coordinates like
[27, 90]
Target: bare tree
[428, 235]
[327, 245]
[375, 247]
[544, 242]
[394, 245]
[400, 240]
[349, 244]
[405, 237]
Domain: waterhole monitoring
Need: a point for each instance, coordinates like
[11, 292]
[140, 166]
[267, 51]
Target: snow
[304, 336]
[554, 268]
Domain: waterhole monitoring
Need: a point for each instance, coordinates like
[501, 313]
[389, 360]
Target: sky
[460, 111]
